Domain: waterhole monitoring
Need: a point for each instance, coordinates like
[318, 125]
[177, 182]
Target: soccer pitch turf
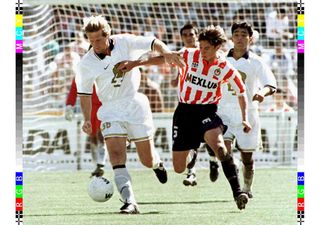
[60, 198]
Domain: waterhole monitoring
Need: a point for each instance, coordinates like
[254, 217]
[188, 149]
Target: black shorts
[190, 122]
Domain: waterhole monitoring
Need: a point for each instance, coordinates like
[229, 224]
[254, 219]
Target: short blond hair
[96, 23]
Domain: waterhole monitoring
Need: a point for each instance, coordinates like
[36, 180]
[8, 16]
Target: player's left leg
[214, 139]
[248, 172]
[150, 158]
[247, 144]
[117, 154]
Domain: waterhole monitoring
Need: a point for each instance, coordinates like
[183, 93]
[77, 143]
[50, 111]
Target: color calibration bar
[19, 173]
[300, 173]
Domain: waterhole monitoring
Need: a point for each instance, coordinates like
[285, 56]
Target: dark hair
[189, 26]
[214, 35]
[244, 25]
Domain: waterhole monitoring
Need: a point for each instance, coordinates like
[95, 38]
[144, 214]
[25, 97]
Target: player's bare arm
[170, 57]
[127, 65]
[265, 91]
[243, 102]
[85, 103]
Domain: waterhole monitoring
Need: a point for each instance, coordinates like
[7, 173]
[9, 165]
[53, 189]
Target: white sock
[123, 182]
[101, 155]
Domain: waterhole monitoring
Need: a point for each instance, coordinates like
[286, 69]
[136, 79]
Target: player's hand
[246, 126]
[68, 113]
[174, 58]
[86, 127]
[174, 82]
[126, 66]
[257, 97]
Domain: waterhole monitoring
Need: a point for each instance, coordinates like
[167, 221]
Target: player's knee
[222, 153]
[247, 160]
[178, 168]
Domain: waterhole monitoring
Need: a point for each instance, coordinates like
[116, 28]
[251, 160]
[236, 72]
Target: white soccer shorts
[246, 141]
[134, 132]
[131, 118]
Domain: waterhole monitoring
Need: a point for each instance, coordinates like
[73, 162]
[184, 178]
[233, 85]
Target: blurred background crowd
[54, 44]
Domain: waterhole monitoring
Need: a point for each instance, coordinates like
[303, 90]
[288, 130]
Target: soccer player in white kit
[124, 113]
[260, 82]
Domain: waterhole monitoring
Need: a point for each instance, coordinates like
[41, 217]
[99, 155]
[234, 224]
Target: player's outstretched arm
[128, 65]
[170, 57]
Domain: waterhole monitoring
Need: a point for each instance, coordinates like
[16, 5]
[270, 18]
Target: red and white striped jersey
[200, 82]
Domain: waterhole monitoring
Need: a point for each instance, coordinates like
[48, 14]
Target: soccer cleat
[242, 200]
[249, 193]
[161, 173]
[214, 172]
[191, 180]
[98, 172]
[129, 208]
[193, 155]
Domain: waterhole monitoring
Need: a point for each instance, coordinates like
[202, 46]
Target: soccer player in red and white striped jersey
[195, 119]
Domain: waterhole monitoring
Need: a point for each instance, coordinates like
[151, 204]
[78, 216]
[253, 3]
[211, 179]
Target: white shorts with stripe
[246, 141]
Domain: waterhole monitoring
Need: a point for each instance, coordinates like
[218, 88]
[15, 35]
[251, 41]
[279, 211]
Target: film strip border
[19, 198]
[300, 198]
[300, 51]
[19, 173]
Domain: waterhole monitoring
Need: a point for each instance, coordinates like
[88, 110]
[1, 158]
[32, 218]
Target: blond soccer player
[125, 113]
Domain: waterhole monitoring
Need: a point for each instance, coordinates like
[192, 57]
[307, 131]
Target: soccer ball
[100, 189]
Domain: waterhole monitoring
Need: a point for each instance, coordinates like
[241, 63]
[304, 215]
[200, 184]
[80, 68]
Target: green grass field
[60, 198]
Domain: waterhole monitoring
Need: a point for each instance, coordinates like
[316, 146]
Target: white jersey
[113, 89]
[92, 69]
[254, 73]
